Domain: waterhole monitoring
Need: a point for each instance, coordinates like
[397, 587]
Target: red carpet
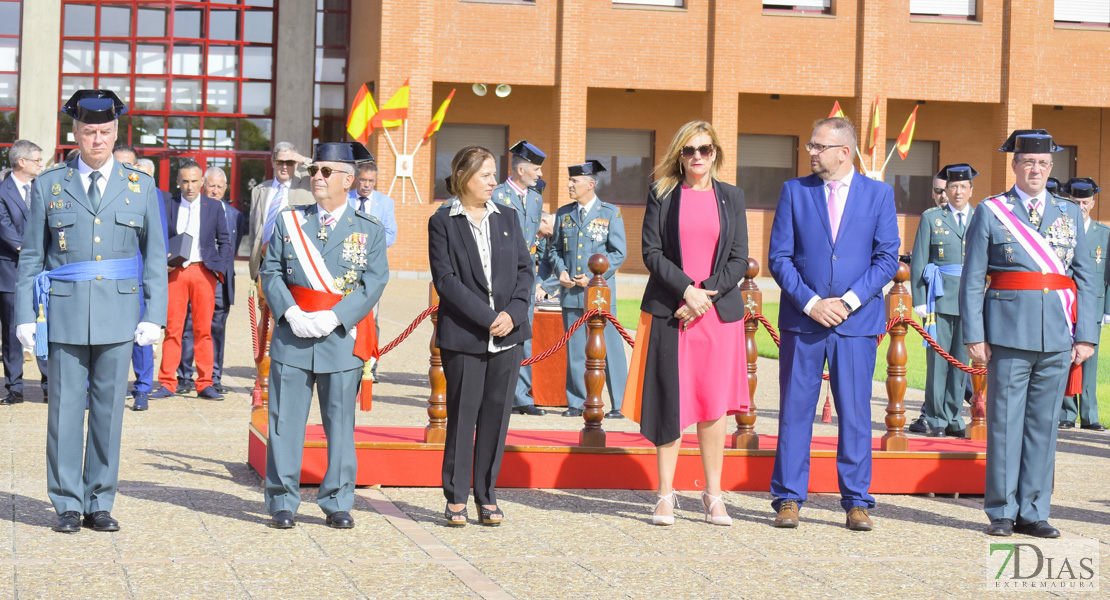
[397, 457]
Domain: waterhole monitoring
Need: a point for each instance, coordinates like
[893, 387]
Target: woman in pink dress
[689, 363]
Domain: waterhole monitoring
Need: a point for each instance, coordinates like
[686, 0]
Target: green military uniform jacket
[64, 228]
[1098, 241]
[355, 248]
[574, 241]
[939, 241]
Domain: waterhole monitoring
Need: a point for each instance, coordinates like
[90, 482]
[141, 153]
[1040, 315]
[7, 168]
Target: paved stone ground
[193, 519]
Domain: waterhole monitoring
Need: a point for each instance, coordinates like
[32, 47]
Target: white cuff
[809, 305]
[852, 299]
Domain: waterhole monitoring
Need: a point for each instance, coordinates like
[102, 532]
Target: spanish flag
[906, 137]
[437, 119]
[836, 110]
[394, 111]
[362, 111]
[873, 138]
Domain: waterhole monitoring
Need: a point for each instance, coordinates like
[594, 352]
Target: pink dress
[712, 357]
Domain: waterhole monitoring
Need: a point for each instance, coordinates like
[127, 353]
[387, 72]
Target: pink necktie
[834, 207]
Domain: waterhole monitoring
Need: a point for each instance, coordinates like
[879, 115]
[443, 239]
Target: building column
[570, 98]
[39, 85]
[1016, 108]
[872, 54]
[294, 74]
[722, 97]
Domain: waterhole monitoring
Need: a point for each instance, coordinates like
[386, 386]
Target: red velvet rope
[408, 331]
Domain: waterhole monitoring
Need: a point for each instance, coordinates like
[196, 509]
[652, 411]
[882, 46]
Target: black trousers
[480, 390]
[12, 349]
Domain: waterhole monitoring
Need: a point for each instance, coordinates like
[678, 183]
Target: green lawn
[628, 312]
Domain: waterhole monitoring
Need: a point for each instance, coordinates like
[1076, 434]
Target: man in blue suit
[15, 203]
[834, 245]
[142, 357]
[1035, 322]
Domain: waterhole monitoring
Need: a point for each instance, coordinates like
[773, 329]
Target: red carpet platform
[398, 457]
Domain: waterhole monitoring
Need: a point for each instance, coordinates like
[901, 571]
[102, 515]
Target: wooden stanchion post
[977, 429]
[597, 296]
[745, 436]
[898, 304]
[436, 431]
[261, 414]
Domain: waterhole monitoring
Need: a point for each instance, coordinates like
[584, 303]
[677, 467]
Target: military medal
[939, 223]
[940, 252]
[62, 240]
[1098, 255]
[133, 182]
[322, 235]
[57, 189]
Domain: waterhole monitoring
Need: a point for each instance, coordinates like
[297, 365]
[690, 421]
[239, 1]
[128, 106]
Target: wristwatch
[847, 306]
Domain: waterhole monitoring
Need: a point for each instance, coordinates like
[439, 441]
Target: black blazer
[663, 254]
[13, 218]
[464, 312]
[215, 242]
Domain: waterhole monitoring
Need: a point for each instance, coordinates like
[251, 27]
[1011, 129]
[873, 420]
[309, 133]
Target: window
[627, 155]
[453, 137]
[1063, 164]
[329, 100]
[197, 76]
[912, 178]
[1094, 12]
[763, 164]
[10, 25]
[798, 6]
[965, 9]
[671, 3]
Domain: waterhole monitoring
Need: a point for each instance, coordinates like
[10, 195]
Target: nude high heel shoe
[671, 499]
[709, 516]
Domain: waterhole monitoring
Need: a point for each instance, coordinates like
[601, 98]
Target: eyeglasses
[325, 171]
[704, 150]
[819, 148]
[37, 161]
[1029, 163]
[938, 190]
[289, 164]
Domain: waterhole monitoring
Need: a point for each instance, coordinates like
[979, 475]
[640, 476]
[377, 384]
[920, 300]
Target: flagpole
[416, 191]
[889, 156]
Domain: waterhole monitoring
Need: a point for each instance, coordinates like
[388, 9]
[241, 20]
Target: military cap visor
[590, 167]
[342, 152]
[1080, 187]
[528, 152]
[94, 106]
[1030, 141]
[957, 172]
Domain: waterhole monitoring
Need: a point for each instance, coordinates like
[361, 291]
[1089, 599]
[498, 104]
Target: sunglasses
[286, 163]
[938, 190]
[704, 150]
[325, 171]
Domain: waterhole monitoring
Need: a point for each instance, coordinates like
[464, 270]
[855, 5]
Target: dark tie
[94, 190]
[362, 203]
[960, 222]
[27, 194]
[582, 215]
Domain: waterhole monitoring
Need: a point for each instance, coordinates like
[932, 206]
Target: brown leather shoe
[858, 520]
[787, 517]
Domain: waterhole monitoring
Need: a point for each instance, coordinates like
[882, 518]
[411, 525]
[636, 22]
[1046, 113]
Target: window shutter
[775, 151]
[956, 8]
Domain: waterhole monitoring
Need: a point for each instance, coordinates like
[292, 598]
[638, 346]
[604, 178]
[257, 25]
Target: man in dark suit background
[25, 159]
[215, 187]
[834, 245]
[194, 282]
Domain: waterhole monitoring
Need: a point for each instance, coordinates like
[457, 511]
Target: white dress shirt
[188, 221]
[105, 171]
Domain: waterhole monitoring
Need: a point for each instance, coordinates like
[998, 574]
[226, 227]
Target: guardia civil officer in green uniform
[324, 270]
[1035, 321]
[1084, 406]
[78, 304]
[525, 170]
[935, 269]
[583, 228]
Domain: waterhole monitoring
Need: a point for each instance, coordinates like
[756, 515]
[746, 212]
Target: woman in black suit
[690, 352]
[484, 275]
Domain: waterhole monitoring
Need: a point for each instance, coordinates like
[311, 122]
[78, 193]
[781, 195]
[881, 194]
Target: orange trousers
[197, 285]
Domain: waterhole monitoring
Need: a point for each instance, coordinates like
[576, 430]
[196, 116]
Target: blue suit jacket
[13, 218]
[215, 244]
[806, 263]
[237, 224]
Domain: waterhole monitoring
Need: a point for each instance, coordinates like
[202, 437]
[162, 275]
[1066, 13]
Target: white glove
[300, 321]
[26, 334]
[921, 311]
[1106, 319]
[323, 323]
[147, 333]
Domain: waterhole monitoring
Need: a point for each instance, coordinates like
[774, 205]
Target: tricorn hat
[94, 106]
[528, 152]
[1080, 187]
[344, 152]
[540, 185]
[1052, 185]
[957, 172]
[1030, 141]
[590, 167]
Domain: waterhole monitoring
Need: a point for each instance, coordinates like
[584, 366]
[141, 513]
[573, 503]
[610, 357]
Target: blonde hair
[466, 164]
[670, 172]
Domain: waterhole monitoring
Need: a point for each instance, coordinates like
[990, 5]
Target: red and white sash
[1038, 247]
[308, 257]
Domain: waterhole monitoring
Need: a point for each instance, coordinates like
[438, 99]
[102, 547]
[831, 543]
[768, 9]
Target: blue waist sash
[117, 268]
[935, 281]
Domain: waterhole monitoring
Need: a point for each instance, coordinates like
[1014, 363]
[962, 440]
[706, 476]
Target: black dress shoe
[573, 412]
[919, 426]
[955, 433]
[68, 522]
[1067, 424]
[530, 409]
[101, 520]
[614, 414]
[12, 398]
[210, 393]
[184, 386]
[340, 520]
[162, 393]
[219, 387]
[936, 432]
[1039, 529]
[1093, 427]
[1001, 527]
[282, 519]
